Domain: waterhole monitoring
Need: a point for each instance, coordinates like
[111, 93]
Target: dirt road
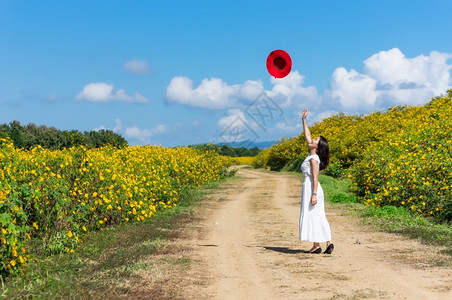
[245, 246]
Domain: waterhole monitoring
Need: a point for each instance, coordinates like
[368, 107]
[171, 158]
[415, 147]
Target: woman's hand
[307, 133]
[313, 199]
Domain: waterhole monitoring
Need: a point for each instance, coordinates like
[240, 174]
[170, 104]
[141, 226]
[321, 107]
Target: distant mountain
[249, 145]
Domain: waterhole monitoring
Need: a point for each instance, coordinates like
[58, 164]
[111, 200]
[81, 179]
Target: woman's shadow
[285, 250]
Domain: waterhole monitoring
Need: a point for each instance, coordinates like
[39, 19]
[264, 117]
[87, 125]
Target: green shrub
[341, 198]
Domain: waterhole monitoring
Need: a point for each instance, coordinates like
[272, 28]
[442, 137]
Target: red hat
[279, 63]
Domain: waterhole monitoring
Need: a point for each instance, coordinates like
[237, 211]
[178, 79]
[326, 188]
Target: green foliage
[58, 196]
[341, 198]
[399, 220]
[334, 170]
[279, 155]
[227, 150]
[29, 136]
[336, 189]
[393, 213]
[294, 166]
[107, 259]
[13, 235]
[400, 157]
[411, 167]
[388, 218]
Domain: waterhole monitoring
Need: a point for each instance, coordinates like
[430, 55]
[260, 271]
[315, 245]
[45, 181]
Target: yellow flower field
[401, 157]
[58, 196]
[241, 160]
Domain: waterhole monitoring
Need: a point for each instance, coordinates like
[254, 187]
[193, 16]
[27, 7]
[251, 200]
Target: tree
[51, 138]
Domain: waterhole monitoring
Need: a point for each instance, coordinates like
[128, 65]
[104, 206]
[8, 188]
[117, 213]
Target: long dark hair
[323, 151]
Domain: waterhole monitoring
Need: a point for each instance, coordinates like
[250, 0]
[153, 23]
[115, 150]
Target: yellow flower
[12, 263]
[84, 228]
[69, 234]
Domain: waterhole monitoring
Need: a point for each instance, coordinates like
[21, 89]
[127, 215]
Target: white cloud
[103, 92]
[234, 114]
[140, 98]
[250, 90]
[211, 93]
[51, 99]
[144, 135]
[290, 127]
[97, 92]
[237, 128]
[390, 79]
[101, 127]
[215, 94]
[289, 91]
[137, 67]
[353, 90]
[394, 68]
[324, 114]
[117, 127]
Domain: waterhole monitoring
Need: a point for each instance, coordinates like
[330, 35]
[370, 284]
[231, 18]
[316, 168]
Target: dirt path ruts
[246, 247]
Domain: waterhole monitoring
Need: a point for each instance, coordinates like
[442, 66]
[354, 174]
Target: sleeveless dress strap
[314, 157]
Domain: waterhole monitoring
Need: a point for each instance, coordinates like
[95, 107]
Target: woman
[314, 226]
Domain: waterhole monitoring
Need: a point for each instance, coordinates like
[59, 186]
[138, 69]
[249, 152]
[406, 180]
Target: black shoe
[329, 249]
[316, 251]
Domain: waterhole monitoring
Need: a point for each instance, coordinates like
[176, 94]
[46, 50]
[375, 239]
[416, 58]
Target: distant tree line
[32, 135]
[227, 150]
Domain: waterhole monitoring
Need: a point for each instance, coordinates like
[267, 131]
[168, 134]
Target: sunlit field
[56, 197]
[400, 157]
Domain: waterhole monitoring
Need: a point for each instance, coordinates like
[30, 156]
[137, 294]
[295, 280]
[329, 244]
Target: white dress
[314, 226]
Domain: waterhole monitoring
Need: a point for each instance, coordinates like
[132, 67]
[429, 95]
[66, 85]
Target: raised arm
[307, 133]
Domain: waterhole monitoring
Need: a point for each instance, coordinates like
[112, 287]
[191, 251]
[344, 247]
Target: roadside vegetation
[227, 150]
[108, 263]
[401, 157]
[51, 199]
[388, 218]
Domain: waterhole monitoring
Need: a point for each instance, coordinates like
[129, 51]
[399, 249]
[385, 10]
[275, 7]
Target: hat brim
[279, 63]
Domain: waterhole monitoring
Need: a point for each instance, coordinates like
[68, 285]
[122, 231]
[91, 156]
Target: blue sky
[184, 72]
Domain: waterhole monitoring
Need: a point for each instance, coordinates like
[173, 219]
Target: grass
[399, 220]
[335, 190]
[388, 218]
[108, 263]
